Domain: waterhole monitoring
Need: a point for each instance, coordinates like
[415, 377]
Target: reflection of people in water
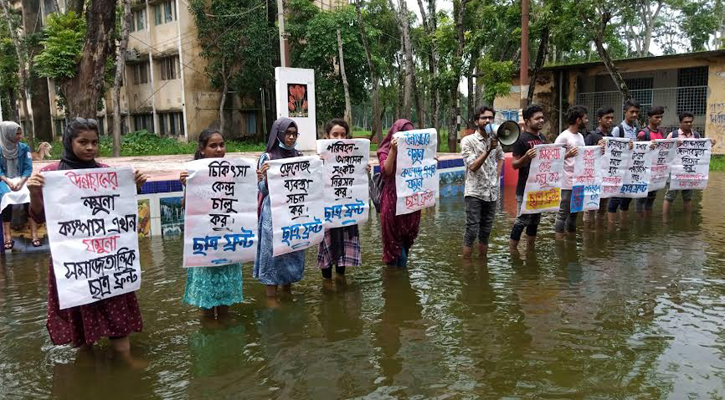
[340, 310]
[144, 219]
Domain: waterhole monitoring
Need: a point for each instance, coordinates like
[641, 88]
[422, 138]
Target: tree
[345, 86]
[376, 130]
[118, 78]
[8, 74]
[22, 66]
[76, 49]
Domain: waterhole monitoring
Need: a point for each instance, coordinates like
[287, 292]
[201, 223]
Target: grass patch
[143, 143]
[717, 163]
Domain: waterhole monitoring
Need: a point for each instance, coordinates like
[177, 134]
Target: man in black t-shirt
[605, 118]
[523, 153]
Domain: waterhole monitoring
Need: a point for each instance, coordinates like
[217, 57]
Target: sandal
[9, 244]
[36, 243]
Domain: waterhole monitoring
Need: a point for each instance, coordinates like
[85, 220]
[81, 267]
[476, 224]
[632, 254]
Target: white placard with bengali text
[662, 163]
[586, 188]
[543, 186]
[347, 195]
[296, 191]
[691, 168]
[93, 239]
[220, 219]
[416, 174]
[639, 172]
[617, 155]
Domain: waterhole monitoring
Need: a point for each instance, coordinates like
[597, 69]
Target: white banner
[347, 195]
[587, 183]
[615, 163]
[543, 186]
[416, 178]
[91, 220]
[296, 193]
[662, 163]
[692, 164]
[638, 175]
[220, 220]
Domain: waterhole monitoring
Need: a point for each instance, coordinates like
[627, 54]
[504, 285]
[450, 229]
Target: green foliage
[496, 77]
[717, 163]
[314, 45]
[62, 42]
[238, 43]
[8, 61]
[143, 143]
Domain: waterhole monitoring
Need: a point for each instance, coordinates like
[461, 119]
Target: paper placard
[662, 163]
[416, 177]
[347, 195]
[543, 186]
[587, 182]
[691, 169]
[296, 194]
[220, 219]
[639, 172]
[617, 155]
[92, 236]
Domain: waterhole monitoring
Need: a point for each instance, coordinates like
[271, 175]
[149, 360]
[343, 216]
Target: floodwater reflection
[637, 311]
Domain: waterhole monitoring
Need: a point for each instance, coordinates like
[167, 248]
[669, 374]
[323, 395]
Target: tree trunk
[400, 112]
[540, 57]
[345, 86]
[435, 97]
[376, 129]
[83, 91]
[222, 102]
[118, 78]
[459, 11]
[470, 101]
[408, 59]
[22, 72]
[649, 19]
[606, 59]
[13, 112]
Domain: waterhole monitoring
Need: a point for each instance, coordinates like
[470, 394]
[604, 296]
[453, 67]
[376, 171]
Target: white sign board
[662, 163]
[220, 221]
[691, 169]
[586, 187]
[615, 163]
[92, 236]
[543, 186]
[347, 195]
[295, 88]
[296, 194]
[416, 178]
[639, 172]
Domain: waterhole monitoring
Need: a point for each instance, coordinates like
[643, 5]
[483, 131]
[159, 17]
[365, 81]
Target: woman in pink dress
[399, 231]
[115, 317]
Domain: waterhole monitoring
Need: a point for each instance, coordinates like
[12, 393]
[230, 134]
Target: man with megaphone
[483, 157]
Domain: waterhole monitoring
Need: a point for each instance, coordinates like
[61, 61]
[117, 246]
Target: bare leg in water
[122, 348]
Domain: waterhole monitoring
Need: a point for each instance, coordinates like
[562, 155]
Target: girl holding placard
[16, 166]
[114, 317]
[341, 246]
[285, 269]
[213, 288]
[399, 231]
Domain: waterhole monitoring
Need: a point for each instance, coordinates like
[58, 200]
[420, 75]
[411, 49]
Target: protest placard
[586, 187]
[662, 163]
[617, 155]
[220, 222]
[543, 186]
[639, 172]
[691, 168]
[296, 194]
[346, 181]
[416, 178]
[92, 237]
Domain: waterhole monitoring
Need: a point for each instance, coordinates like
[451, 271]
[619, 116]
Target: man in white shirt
[484, 159]
[626, 129]
[577, 119]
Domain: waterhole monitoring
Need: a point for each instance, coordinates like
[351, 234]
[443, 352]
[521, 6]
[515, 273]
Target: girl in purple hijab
[399, 231]
[286, 269]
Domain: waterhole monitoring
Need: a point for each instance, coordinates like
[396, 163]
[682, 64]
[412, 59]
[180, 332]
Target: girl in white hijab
[16, 166]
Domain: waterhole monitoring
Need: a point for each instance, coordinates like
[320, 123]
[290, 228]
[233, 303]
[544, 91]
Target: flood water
[634, 313]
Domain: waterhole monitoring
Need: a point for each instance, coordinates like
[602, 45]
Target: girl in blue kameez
[212, 288]
[288, 268]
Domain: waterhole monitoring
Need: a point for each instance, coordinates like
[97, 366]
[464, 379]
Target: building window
[169, 68]
[171, 123]
[251, 123]
[140, 73]
[101, 129]
[692, 90]
[165, 12]
[59, 127]
[138, 20]
[641, 90]
[143, 122]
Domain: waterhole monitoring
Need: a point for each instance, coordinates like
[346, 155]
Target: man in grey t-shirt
[627, 129]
